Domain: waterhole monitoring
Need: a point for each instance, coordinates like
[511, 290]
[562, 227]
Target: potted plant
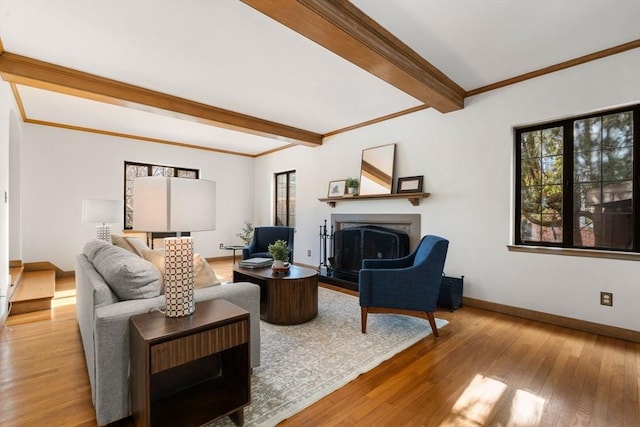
[279, 252]
[352, 185]
[246, 234]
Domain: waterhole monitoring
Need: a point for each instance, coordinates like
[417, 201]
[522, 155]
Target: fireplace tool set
[326, 250]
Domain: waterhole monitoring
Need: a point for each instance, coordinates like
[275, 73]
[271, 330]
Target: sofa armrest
[111, 340]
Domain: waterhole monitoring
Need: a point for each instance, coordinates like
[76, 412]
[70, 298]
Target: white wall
[60, 168]
[466, 158]
[4, 187]
[9, 207]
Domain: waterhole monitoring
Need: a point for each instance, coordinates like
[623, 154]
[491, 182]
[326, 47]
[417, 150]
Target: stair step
[16, 273]
[35, 292]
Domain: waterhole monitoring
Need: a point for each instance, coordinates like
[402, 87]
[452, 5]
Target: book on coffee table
[256, 262]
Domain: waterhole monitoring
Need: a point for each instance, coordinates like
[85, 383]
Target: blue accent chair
[408, 285]
[263, 237]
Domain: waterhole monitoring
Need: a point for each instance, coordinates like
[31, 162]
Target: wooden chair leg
[363, 318]
[432, 322]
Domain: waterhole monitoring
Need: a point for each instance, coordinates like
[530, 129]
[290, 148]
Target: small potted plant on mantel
[280, 254]
[352, 185]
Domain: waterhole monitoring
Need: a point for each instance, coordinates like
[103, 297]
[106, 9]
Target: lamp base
[178, 280]
[103, 232]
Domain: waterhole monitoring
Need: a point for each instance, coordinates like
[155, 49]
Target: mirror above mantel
[376, 170]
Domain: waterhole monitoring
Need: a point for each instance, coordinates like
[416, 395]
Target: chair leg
[363, 318]
[432, 322]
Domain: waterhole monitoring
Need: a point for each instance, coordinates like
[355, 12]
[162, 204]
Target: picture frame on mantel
[336, 188]
[410, 184]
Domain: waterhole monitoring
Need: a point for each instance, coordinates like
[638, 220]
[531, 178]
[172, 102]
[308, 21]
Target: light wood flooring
[486, 369]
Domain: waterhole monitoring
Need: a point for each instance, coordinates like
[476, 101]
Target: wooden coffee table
[285, 299]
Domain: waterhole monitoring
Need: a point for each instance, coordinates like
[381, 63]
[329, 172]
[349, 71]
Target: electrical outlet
[221, 245]
[309, 252]
[606, 298]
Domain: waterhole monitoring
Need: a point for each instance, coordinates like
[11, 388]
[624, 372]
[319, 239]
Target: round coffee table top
[295, 272]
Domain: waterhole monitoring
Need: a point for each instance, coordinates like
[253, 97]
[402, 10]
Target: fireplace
[367, 236]
[353, 244]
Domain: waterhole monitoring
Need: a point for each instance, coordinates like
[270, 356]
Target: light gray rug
[303, 363]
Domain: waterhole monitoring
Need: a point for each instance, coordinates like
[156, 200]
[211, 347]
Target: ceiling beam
[345, 30]
[42, 75]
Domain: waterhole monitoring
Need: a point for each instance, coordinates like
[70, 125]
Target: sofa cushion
[128, 275]
[132, 244]
[204, 274]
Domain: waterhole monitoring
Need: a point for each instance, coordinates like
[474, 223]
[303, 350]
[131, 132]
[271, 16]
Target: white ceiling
[225, 54]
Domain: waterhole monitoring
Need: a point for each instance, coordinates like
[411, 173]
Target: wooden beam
[345, 30]
[42, 75]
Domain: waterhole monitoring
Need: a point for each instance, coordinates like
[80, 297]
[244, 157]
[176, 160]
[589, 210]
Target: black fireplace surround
[352, 245]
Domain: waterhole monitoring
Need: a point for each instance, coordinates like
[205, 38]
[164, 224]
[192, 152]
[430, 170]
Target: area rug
[303, 363]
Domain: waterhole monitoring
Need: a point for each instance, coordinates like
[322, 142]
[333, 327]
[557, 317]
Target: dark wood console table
[190, 370]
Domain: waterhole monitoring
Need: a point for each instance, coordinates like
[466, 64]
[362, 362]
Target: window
[133, 170]
[286, 199]
[575, 183]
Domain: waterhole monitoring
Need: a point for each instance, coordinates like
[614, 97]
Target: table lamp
[167, 204]
[101, 212]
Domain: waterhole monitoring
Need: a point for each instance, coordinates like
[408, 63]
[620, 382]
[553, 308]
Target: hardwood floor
[485, 369]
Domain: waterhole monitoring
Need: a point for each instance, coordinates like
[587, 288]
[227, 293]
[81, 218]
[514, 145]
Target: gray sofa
[104, 326]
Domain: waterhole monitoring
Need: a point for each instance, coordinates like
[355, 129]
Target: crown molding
[634, 44]
[26, 71]
[342, 28]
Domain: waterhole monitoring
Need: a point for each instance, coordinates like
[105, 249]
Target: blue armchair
[263, 237]
[408, 285]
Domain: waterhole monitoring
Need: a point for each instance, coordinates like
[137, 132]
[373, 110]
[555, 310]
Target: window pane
[586, 166]
[551, 228]
[131, 171]
[531, 172]
[292, 199]
[605, 215]
[587, 135]
[531, 144]
[530, 201]
[617, 164]
[617, 130]
[552, 170]
[182, 173]
[551, 202]
[552, 141]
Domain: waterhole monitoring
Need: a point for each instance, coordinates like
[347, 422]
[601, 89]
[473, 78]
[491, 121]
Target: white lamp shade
[101, 211]
[173, 204]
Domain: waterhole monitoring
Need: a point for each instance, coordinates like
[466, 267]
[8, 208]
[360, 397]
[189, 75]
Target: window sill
[590, 253]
